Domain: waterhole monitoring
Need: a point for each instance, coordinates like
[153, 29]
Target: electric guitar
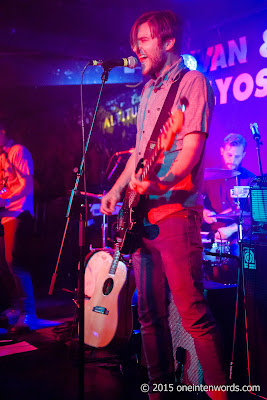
[130, 217]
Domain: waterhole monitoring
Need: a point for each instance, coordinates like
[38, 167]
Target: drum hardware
[81, 194]
[207, 237]
[211, 174]
[240, 287]
[219, 247]
[235, 214]
[240, 192]
[219, 267]
[216, 267]
[95, 210]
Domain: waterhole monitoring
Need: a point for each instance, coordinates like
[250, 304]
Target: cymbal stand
[240, 231]
[240, 288]
[104, 228]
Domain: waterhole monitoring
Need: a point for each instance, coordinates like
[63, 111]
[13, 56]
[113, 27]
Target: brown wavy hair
[164, 25]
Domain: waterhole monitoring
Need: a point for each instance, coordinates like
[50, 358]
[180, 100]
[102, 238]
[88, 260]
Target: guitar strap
[164, 114]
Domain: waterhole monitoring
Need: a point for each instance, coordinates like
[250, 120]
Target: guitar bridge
[101, 310]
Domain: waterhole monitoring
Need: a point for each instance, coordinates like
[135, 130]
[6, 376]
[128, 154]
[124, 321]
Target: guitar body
[108, 314]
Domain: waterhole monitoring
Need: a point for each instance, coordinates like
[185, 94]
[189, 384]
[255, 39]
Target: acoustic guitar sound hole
[108, 286]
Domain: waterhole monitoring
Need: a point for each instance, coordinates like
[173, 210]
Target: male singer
[170, 256]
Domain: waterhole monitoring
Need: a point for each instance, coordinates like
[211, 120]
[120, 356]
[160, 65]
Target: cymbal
[219, 173]
[232, 215]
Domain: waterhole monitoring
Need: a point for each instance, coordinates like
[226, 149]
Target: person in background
[217, 197]
[16, 228]
[170, 255]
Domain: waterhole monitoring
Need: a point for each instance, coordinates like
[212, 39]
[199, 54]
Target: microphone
[130, 62]
[130, 151]
[255, 131]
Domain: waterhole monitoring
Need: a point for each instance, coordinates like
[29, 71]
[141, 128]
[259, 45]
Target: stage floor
[47, 369]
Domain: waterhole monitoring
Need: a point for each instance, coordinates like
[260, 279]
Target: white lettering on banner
[208, 56]
[246, 81]
[243, 86]
[223, 87]
[240, 53]
[261, 81]
[215, 56]
[219, 58]
[263, 48]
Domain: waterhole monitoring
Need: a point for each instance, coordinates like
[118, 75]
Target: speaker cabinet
[254, 260]
[186, 359]
[221, 300]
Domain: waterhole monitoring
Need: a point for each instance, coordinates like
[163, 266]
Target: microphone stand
[82, 222]
[257, 136]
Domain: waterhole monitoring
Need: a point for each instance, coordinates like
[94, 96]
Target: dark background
[44, 46]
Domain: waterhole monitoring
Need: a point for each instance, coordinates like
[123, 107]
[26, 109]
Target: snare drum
[220, 246]
[207, 244]
[218, 268]
[217, 247]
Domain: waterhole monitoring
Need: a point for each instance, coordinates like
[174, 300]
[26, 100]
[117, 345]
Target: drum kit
[218, 265]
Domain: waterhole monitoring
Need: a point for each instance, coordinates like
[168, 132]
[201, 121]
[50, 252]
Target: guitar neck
[150, 162]
[131, 195]
[115, 260]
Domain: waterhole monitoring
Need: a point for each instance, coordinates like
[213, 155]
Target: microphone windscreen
[132, 62]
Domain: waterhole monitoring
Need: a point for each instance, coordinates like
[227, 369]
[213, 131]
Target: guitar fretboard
[131, 195]
[151, 161]
[115, 261]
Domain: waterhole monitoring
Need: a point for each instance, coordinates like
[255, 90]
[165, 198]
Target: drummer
[217, 198]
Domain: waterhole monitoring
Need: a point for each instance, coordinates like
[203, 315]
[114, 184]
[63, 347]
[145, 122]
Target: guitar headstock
[172, 126]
